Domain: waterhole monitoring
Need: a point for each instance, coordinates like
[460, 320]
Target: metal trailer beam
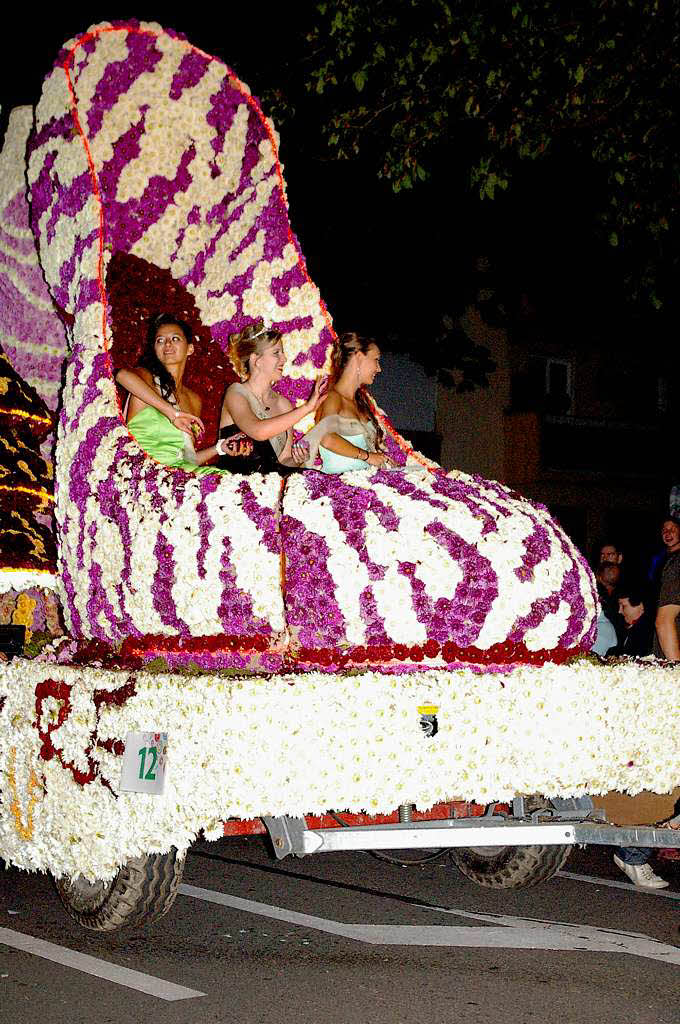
[291, 835]
[437, 835]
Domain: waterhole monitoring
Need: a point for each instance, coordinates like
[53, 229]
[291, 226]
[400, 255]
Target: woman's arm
[667, 632]
[340, 445]
[262, 430]
[137, 382]
[235, 450]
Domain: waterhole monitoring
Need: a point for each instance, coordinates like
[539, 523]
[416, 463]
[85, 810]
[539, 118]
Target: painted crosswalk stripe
[612, 883]
[146, 983]
[501, 932]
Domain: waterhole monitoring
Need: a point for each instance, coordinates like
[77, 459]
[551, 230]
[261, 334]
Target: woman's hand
[242, 446]
[318, 393]
[299, 451]
[185, 421]
[237, 445]
[380, 460]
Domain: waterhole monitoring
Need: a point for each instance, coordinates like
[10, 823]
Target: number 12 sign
[144, 762]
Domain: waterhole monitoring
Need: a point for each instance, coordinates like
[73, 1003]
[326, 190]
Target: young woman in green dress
[164, 415]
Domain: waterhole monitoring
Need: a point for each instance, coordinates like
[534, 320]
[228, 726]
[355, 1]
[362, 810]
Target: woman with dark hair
[254, 409]
[347, 435]
[162, 414]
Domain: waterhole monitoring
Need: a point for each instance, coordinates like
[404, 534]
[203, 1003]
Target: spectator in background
[667, 638]
[608, 577]
[608, 553]
[674, 502]
[634, 609]
[606, 641]
[637, 641]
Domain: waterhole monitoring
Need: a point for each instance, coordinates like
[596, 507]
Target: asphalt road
[347, 938]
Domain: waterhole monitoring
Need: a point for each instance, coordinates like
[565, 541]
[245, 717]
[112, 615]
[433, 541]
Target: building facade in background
[586, 430]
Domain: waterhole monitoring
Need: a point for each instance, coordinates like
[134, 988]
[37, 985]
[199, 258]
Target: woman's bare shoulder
[194, 401]
[145, 374]
[331, 405]
[237, 387]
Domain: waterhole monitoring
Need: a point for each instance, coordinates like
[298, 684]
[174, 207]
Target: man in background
[667, 638]
[634, 609]
[608, 553]
[608, 578]
[638, 635]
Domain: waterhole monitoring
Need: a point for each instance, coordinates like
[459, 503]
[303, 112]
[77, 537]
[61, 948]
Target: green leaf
[579, 74]
[619, 177]
[359, 79]
[613, 238]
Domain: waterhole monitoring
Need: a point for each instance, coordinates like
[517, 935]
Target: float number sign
[144, 762]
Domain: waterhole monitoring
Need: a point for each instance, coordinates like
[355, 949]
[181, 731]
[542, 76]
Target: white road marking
[613, 884]
[513, 933]
[99, 968]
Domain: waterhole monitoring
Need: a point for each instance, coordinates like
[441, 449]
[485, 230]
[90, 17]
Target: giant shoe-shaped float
[344, 603]
[147, 148]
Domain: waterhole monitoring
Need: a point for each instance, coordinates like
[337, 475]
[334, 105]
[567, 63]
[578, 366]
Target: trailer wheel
[509, 867]
[143, 891]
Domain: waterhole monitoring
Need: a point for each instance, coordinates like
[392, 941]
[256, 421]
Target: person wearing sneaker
[634, 862]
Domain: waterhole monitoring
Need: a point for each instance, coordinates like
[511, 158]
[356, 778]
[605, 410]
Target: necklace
[267, 408]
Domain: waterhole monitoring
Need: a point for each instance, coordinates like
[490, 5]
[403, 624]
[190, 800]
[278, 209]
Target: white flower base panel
[330, 742]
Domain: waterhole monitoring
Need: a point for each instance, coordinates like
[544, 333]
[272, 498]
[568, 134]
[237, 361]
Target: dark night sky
[385, 264]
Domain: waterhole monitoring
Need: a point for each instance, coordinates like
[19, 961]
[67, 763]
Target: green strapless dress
[332, 463]
[163, 441]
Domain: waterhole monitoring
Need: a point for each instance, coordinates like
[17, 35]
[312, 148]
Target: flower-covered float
[380, 640]
[32, 350]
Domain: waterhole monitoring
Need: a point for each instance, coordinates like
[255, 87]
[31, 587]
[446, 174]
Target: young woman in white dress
[347, 435]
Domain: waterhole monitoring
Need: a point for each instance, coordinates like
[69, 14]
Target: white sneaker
[641, 875]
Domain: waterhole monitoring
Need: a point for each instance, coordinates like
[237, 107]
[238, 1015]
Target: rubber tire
[142, 892]
[510, 867]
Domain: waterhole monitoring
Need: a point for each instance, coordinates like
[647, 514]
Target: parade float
[385, 659]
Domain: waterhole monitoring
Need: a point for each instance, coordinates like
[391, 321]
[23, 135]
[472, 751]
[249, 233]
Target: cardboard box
[643, 809]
